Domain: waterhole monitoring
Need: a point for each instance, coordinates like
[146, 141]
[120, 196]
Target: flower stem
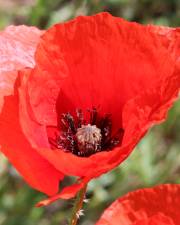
[78, 206]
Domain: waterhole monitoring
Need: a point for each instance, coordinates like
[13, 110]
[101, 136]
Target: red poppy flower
[150, 206]
[98, 84]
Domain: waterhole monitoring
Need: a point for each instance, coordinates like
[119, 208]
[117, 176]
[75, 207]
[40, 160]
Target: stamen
[106, 129]
[93, 116]
[68, 120]
[80, 118]
[84, 139]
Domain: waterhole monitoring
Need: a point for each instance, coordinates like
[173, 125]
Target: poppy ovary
[89, 138]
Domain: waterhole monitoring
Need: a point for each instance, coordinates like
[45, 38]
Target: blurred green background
[156, 159]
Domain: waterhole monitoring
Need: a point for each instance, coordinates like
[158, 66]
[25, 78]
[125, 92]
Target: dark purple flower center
[84, 138]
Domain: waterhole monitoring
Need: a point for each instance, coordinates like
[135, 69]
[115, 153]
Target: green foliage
[155, 160]
[43, 13]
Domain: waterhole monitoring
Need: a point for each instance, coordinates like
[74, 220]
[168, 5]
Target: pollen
[89, 138]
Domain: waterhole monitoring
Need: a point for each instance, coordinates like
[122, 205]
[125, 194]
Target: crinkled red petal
[35, 169]
[66, 193]
[150, 206]
[100, 61]
[17, 47]
[158, 219]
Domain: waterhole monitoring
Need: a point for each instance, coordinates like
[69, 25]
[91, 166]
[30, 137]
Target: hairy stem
[78, 206]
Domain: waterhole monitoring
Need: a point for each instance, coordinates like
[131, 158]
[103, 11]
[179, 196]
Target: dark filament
[67, 139]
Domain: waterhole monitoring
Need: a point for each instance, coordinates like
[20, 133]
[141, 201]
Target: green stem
[78, 206]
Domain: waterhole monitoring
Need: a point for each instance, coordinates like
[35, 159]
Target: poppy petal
[34, 131]
[169, 37]
[158, 205]
[39, 174]
[66, 193]
[17, 47]
[158, 219]
[103, 59]
[139, 114]
[151, 107]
